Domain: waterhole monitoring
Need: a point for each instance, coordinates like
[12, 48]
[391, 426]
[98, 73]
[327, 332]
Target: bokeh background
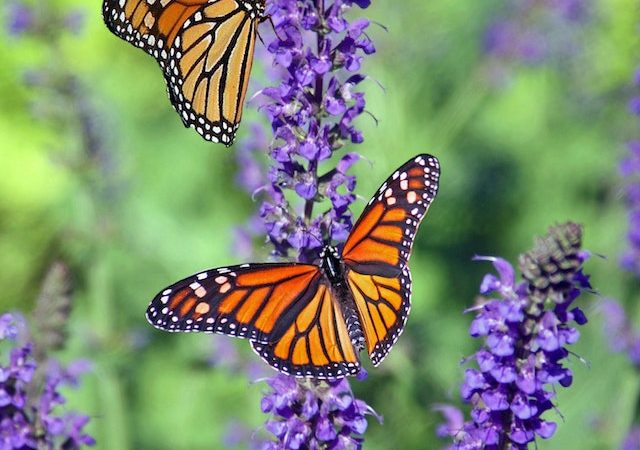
[524, 102]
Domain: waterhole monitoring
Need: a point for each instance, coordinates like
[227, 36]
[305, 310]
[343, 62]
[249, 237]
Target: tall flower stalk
[534, 31]
[630, 170]
[623, 335]
[60, 101]
[317, 54]
[30, 382]
[526, 329]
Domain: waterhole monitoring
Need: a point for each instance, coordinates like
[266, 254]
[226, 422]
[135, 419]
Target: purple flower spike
[314, 414]
[623, 336]
[534, 31]
[312, 111]
[23, 426]
[312, 107]
[526, 328]
[630, 170]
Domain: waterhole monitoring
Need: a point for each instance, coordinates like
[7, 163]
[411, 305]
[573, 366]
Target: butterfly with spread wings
[205, 50]
[312, 320]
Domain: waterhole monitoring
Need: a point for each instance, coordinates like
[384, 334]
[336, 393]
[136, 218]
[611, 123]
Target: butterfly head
[329, 251]
[331, 263]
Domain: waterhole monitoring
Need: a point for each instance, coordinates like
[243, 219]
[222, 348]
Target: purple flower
[630, 170]
[314, 415]
[250, 174]
[8, 327]
[23, 426]
[525, 328]
[622, 335]
[20, 18]
[312, 112]
[23, 18]
[534, 31]
[312, 107]
[632, 440]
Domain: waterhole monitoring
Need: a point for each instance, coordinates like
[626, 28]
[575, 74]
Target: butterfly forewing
[246, 301]
[381, 240]
[378, 249]
[205, 49]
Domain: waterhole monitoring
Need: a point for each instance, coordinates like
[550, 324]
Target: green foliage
[516, 157]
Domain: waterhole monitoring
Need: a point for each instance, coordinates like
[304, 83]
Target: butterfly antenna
[273, 25]
[317, 240]
[370, 114]
[381, 26]
[260, 37]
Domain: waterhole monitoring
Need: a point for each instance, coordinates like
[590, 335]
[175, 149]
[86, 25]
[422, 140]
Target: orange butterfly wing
[246, 301]
[315, 344]
[205, 49]
[286, 309]
[378, 249]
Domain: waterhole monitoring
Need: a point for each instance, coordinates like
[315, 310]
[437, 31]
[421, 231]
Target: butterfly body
[334, 271]
[205, 50]
[313, 320]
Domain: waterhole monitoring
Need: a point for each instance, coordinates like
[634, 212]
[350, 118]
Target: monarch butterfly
[205, 50]
[312, 320]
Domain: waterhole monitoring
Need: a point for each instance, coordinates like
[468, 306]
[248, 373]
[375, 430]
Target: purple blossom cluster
[318, 54]
[526, 328]
[532, 31]
[630, 170]
[314, 416]
[631, 440]
[623, 336]
[29, 398]
[22, 18]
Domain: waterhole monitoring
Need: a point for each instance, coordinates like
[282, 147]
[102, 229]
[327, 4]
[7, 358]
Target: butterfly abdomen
[354, 328]
[334, 271]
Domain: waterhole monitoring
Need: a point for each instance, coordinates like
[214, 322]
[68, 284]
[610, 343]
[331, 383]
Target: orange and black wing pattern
[316, 343]
[205, 49]
[254, 301]
[381, 240]
[287, 310]
[378, 249]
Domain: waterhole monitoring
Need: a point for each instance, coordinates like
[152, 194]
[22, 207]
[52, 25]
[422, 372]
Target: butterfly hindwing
[315, 344]
[151, 25]
[205, 49]
[209, 67]
[247, 301]
[383, 304]
[378, 249]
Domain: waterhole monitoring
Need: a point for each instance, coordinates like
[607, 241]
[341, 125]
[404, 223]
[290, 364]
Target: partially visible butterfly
[205, 49]
[312, 320]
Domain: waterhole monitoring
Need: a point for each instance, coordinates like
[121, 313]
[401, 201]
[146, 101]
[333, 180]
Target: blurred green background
[522, 146]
